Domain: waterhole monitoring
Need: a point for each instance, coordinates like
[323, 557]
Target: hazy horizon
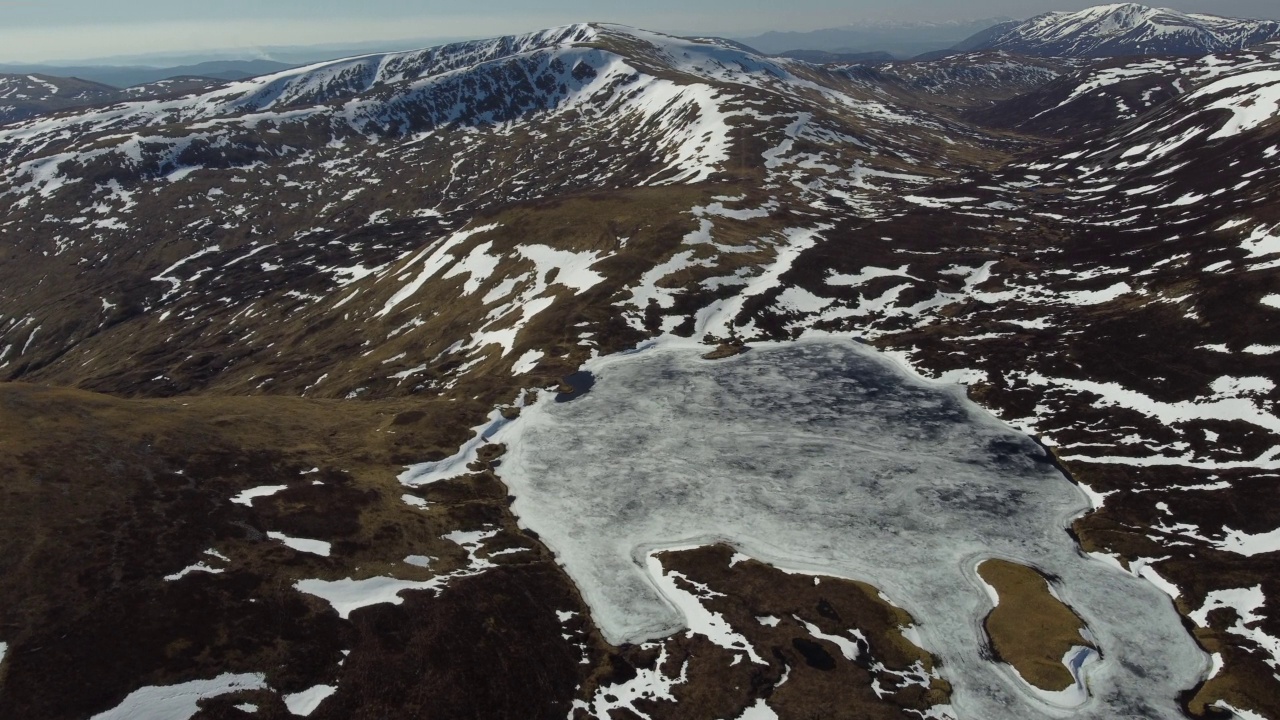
[64, 31]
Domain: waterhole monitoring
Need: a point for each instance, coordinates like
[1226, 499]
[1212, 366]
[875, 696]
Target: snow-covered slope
[452, 226]
[22, 96]
[1129, 29]
[1105, 95]
[577, 109]
[978, 79]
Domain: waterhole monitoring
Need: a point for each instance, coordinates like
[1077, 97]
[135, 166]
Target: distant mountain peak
[1125, 29]
[900, 38]
[879, 24]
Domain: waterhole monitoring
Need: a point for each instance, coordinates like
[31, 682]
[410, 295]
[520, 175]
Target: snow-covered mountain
[231, 316]
[22, 96]
[1125, 29]
[151, 70]
[29, 95]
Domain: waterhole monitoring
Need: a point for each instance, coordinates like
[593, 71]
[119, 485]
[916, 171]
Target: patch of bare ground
[784, 617]
[726, 350]
[1030, 628]
[106, 498]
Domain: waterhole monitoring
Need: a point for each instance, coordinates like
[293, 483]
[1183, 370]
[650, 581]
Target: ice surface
[304, 703]
[179, 702]
[823, 456]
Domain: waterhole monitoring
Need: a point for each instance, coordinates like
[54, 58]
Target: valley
[280, 359]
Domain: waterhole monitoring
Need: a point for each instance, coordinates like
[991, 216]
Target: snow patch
[759, 711]
[314, 547]
[527, 362]
[180, 702]
[436, 261]
[698, 618]
[348, 595]
[304, 703]
[1242, 543]
[247, 497]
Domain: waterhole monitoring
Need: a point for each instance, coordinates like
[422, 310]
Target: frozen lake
[824, 456]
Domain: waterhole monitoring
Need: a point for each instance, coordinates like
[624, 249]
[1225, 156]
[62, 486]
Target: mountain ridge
[122, 77]
[902, 39]
[1124, 29]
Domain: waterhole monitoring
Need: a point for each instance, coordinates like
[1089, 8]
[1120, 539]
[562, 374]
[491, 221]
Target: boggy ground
[104, 498]
[777, 613]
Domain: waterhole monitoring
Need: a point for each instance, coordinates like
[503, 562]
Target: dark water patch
[814, 654]
[579, 384]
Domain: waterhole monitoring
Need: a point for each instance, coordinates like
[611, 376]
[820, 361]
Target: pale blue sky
[42, 30]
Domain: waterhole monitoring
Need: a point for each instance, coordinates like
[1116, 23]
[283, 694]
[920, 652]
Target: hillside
[22, 96]
[232, 315]
[27, 96]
